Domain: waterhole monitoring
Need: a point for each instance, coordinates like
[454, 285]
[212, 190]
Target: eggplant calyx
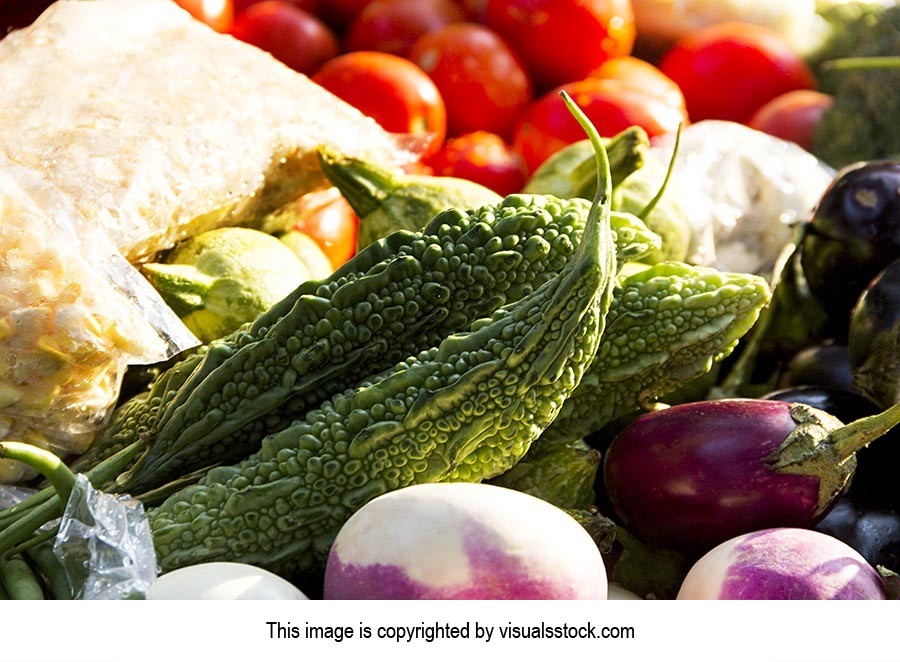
[821, 446]
[809, 451]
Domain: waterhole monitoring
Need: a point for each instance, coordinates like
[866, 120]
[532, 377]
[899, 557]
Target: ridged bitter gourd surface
[465, 410]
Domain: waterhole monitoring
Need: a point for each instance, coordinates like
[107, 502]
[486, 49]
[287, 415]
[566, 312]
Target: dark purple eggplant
[874, 338]
[827, 366]
[871, 529]
[844, 405]
[697, 474]
[854, 233]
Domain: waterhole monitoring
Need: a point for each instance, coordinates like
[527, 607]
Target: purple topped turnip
[694, 475]
[782, 564]
[455, 541]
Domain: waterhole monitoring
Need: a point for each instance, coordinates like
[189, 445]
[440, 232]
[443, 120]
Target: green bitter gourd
[463, 411]
[463, 266]
[667, 325]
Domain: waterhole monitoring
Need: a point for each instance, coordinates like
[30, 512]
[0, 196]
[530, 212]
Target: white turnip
[782, 564]
[463, 541]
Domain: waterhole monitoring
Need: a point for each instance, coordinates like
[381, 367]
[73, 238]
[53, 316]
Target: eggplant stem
[50, 465]
[860, 433]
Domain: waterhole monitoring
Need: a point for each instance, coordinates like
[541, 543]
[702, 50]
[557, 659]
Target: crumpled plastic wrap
[10, 495]
[126, 126]
[105, 545]
[744, 191]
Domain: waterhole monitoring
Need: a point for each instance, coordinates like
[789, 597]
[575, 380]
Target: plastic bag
[73, 314]
[743, 191]
[125, 126]
[157, 127]
[105, 545]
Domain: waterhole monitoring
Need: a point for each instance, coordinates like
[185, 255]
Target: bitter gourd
[667, 325]
[465, 410]
[562, 473]
[387, 201]
[462, 266]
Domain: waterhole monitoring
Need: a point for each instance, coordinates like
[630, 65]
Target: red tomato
[340, 13]
[392, 26]
[482, 81]
[217, 14]
[474, 9]
[291, 35]
[793, 116]
[481, 157]
[311, 6]
[547, 125]
[330, 221]
[729, 71]
[395, 92]
[563, 40]
[642, 76]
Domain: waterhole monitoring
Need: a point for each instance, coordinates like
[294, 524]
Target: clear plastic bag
[126, 126]
[158, 128]
[105, 545]
[73, 314]
[743, 191]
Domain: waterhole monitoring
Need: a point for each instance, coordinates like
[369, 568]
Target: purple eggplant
[694, 475]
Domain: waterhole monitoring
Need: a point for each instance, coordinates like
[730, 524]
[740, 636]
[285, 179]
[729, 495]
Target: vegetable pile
[508, 370]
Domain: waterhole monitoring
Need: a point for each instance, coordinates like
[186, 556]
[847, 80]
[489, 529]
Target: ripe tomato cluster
[476, 82]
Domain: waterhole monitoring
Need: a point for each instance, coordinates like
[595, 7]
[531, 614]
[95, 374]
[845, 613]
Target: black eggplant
[874, 338]
[871, 529]
[854, 233]
[826, 366]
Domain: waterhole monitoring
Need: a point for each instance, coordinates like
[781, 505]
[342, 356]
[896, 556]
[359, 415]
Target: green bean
[19, 579]
[52, 570]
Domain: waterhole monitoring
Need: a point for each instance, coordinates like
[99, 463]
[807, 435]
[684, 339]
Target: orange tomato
[217, 14]
[328, 219]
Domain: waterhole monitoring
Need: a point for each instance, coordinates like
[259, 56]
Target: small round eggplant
[694, 475]
[874, 338]
[854, 233]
